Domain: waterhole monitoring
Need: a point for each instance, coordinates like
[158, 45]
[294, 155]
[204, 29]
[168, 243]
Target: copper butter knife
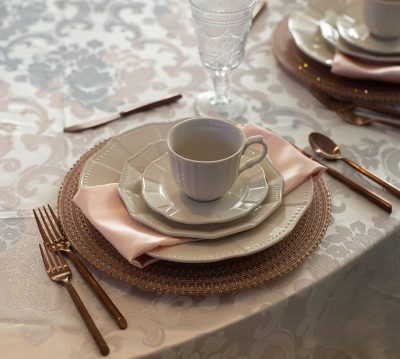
[116, 116]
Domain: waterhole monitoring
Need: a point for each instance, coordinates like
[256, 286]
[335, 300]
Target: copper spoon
[359, 120]
[329, 150]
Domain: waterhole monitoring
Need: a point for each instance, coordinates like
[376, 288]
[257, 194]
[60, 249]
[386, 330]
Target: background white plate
[304, 27]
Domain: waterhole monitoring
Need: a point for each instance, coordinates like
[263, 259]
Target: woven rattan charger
[193, 279]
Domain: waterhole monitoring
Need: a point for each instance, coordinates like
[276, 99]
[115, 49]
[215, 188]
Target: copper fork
[59, 271]
[345, 109]
[55, 240]
[342, 106]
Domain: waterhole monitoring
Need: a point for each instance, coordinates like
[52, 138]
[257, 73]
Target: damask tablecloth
[62, 62]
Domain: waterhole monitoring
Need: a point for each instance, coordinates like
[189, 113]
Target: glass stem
[220, 80]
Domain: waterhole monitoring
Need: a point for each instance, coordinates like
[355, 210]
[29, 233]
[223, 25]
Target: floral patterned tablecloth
[62, 62]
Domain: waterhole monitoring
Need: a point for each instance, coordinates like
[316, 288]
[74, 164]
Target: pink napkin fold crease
[104, 208]
[347, 66]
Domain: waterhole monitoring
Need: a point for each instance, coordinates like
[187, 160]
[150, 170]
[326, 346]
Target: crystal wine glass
[222, 27]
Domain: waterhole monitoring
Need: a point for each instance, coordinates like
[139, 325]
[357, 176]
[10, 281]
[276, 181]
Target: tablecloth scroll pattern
[63, 62]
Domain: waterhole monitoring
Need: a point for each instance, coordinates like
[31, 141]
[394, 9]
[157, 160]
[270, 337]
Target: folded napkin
[132, 239]
[347, 66]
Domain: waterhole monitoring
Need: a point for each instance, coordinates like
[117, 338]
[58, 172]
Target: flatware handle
[98, 290]
[387, 122]
[92, 123]
[381, 109]
[259, 8]
[151, 105]
[365, 192]
[392, 189]
[94, 331]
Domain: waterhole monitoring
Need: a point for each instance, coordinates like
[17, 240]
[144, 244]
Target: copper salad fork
[59, 271]
[56, 241]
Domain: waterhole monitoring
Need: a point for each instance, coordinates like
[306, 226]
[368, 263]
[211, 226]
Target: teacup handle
[251, 141]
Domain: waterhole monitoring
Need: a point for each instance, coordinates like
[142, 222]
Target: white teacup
[205, 156]
[382, 18]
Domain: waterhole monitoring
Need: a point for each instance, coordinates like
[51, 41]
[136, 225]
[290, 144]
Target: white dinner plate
[106, 167]
[352, 28]
[130, 190]
[163, 195]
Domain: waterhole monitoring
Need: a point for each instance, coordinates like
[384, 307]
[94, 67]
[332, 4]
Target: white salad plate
[307, 29]
[130, 190]
[352, 28]
[163, 195]
[106, 167]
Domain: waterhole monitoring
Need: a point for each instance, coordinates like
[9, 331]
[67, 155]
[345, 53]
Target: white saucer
[352, 28]
[163, 195]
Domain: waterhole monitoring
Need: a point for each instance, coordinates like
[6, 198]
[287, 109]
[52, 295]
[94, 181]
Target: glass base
[206, 106]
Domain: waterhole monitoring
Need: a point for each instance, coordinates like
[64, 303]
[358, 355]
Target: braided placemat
[193, 279]
[310, 72]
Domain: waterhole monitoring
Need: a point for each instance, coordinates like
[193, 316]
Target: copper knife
[116, 116]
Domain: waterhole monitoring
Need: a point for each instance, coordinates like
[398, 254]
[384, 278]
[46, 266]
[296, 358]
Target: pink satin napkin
[346, 66]
[106, 211]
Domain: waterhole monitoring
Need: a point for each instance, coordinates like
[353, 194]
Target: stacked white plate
[251, 217]
[326, 26]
